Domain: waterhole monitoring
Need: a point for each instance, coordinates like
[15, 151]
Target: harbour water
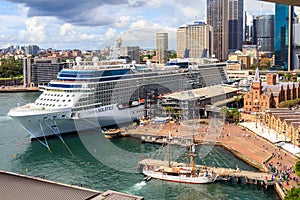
[90, 160]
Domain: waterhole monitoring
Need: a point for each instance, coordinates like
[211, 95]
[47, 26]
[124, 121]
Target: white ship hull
[47, 123]
[180, 178]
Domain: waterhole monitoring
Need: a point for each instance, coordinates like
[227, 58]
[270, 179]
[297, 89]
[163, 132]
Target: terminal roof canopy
[288, 2]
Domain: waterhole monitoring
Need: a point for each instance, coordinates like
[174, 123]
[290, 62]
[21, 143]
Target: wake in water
[5, 118]
[136, 187]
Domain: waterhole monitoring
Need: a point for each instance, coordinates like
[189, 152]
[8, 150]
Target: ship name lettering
[103, 109]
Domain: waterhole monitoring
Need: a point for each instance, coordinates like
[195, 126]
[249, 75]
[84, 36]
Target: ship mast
[169, 149]
[192, 151]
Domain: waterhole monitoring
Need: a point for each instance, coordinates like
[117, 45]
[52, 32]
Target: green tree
[297, 168]
[235, 114]
[287, 76]
[293, 194]
[11, 68]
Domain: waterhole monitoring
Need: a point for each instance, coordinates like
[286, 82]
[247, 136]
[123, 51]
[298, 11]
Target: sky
[95, 24]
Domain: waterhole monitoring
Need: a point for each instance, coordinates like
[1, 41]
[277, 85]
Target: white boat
[183, 174]
[95, 94]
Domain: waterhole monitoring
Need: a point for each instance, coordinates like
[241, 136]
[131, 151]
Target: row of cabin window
[50, 105]
[58, 95]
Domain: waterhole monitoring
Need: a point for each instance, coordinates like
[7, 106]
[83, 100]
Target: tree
[287, 76]
[293, 194]
[289, 103]
[238, 99]
[265, 63]
[297, 168]
[11, 68]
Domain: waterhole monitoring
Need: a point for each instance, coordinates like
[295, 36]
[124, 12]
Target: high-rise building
[247, 34]
[195, 41]
[217, 17]
[282, 37]
[31, 50]
[130, 53]
[40, 71]
[253, 31]
[235, 25]
[162, 47]
[296, 46]
[264, 36]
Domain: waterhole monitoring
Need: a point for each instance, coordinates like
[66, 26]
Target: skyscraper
[235, 25]
[265, 33]
[162, 47]
[196, 39]
[217, 17]
[282, 38]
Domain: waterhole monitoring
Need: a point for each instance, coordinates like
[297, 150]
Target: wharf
[227, 174]
[8, 89]
[16, 186]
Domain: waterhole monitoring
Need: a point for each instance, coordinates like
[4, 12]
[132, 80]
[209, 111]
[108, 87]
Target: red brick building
[269, 94]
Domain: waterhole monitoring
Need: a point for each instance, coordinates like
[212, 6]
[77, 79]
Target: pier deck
[248, 177]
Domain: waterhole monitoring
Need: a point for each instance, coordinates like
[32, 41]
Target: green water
[92, 161]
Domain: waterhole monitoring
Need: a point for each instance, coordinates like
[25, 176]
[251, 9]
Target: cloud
[35, 30]
[122, 21]
[138, 24]
[75, 12]
[110, 33]
[137, 4]
[67, 29]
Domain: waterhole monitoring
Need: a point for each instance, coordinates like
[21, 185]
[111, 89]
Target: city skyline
[95, 25]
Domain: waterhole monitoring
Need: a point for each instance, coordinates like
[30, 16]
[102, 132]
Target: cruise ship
[95, 94]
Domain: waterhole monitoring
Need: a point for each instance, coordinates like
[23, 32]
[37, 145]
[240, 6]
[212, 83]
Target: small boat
[111, 133]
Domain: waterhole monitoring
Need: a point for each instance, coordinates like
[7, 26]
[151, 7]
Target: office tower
[247, 34]
[296, 46]
[265, 34]
[217, 17]
[31, 50]
[235, 25]
[40, 71]
[253, 31]
[162, 47]
[282, 37]
[130, 53]
[195, 41]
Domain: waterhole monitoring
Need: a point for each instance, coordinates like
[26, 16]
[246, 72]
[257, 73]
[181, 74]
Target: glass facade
[217, 17]
[235, 25]
[265, 33]
[281, 37]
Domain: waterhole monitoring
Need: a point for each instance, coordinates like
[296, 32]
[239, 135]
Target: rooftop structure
[205, 99]
[15, 186]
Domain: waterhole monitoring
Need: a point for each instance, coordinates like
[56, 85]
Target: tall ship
[95, 94]
[183, 172]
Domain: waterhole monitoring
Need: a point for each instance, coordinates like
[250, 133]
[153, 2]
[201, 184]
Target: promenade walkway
[259, 149]
[272, 136]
